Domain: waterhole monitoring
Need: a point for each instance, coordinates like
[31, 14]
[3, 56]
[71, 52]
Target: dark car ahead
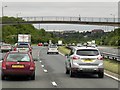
[23, 47]
[18, 64]
[45, 44]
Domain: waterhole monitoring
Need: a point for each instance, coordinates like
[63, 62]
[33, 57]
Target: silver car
[6, 47]
[52, 49]
[84, 60]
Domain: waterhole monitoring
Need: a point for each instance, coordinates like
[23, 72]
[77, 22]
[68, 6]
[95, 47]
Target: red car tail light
[32, 66]
[100, 58]
[75, 58]
[15, 49]
[30, 49]
[3, 65]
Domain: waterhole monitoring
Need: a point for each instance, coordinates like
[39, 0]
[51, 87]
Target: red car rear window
[18, 57]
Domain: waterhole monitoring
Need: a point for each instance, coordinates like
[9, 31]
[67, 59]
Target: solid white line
[54, 84]
[45, 70]
[112, 76]
[61, 54]
[42, 66]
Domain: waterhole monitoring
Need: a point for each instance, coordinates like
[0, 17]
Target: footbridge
[66, 20]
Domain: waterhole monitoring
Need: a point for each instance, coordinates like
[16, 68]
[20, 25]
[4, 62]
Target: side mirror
[35, 59]
[2, 58]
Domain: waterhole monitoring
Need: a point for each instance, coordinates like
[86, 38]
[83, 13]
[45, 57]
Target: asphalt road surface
[111, 50]
[50, 73]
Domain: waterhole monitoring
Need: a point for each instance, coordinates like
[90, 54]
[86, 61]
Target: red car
[17, 63]
[40, 44]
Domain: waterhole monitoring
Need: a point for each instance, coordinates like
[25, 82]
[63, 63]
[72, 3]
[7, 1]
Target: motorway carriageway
[50, 73]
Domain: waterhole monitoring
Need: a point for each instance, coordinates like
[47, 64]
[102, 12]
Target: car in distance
[45, 44]
[6, 47]
[84, 60]
[40, 44]
[94, 45]
[52, 49]
[79, 44]
[17, 63]
[23, 47]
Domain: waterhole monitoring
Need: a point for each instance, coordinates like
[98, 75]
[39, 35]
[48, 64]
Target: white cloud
[85, 9]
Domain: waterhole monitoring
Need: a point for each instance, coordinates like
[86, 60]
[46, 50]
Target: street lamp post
[113, 19]
[3, 10]
[17, 15]
[79, 17]
[39, 26]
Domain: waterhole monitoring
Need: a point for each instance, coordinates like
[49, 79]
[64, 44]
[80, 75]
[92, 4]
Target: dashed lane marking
[54, 84]
[45, 70]
[42, 66]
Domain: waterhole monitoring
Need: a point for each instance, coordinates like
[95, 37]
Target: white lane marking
[112, 77]
[42, 66]
[45, 70]
[61, 54]
[54, 84]
[38, 53]
[40, 61]
[38, 56]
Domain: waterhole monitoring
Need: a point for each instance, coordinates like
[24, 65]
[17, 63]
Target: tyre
[101, 74]
[33, 77]
[71, 74]
[31, 53]
[2, 77]
[67, 71]
[47, 52]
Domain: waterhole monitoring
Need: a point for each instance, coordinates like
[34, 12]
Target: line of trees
[10, 32]
[105, 38]
[112, 39]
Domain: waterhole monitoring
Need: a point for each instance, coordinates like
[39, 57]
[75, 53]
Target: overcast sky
[74, 9]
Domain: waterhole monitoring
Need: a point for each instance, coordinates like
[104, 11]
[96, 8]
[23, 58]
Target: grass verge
[64, 50]
[110, 65]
